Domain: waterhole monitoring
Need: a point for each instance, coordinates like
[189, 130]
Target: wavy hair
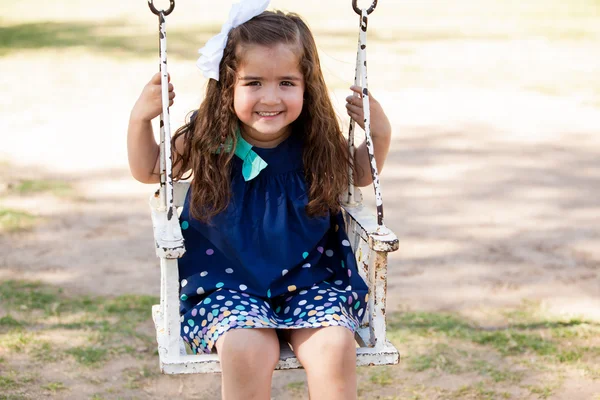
[326, 157]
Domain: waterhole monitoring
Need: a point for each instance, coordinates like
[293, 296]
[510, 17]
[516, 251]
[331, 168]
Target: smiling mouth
[268, 114]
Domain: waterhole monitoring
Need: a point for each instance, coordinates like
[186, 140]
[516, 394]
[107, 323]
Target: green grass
[7, 383]
[45, 351]
[478, 391]
[484, 368]
[515, 339]
[442, 358]
[9, 322]
[15, 341]
[88, 356]
[15, 382]
[542, 392]
[108, 37]
[16, 221]
[110, 324]
[28, 187]
[54, 387]
[513, 342]
[431, 343]
[381, 376]
[296, 385]
[532, 344]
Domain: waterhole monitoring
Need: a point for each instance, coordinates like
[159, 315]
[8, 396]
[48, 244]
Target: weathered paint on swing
[370, 246]
[167, 232]
[361, 79]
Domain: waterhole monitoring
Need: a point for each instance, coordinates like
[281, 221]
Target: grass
[15, 341]
[89, 356]
[45, 352]
[434, 344]
[34, 296]
[14, 382]
[441, 358]
[29, 187]
[477, 391]
[296, 386]
[539, 337]
[16, 221]
[545, 390]
[381, 376]
[485, 368]
[531, 344]
[109, 324]
[9, 322]
[54, 387]
[109, 37]
[8, 383]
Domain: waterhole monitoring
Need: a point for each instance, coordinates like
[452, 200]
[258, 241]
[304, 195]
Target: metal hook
[165, 13]
[359, 11]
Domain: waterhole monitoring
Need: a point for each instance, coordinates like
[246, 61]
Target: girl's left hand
[380, 125]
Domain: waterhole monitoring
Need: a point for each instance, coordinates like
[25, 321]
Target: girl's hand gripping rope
[142, 150]
[380, 125]
[149, 104]
[381, 132]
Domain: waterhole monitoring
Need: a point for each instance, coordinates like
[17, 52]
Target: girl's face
[269, 93]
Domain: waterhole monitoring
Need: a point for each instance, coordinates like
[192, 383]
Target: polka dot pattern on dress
[202, 332]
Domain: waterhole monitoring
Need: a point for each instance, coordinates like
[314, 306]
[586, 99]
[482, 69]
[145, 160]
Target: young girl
[265, 239]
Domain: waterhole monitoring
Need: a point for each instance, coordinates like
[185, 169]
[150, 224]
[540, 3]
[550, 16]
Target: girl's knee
[326, 348]
[249, 349]
[336, 341]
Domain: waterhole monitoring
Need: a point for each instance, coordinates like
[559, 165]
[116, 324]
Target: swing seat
[370, 244]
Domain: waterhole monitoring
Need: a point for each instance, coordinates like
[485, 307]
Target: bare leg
[248, 358]
[329, 357]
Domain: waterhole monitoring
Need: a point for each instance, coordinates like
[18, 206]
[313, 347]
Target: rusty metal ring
[165, 13]
[359, 11]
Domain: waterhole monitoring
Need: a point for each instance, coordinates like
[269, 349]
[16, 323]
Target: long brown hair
[325, 155]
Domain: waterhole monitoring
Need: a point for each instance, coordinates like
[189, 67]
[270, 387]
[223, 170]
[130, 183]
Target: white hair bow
[212, 52]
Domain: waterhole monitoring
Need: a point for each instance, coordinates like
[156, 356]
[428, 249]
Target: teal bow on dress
[252, 163]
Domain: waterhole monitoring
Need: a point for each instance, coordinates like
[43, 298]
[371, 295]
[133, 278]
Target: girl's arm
[142, 150]
[381, 132]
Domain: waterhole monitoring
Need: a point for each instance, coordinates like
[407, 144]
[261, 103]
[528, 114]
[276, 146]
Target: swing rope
[360, 79]
[166, 174]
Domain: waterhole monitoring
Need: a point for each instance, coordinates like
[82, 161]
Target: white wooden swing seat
[370, 248]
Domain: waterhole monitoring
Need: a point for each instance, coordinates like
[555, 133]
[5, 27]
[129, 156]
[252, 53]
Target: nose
[270, 96]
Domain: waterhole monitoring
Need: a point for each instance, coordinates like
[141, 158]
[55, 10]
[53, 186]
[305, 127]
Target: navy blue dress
[263, 262]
